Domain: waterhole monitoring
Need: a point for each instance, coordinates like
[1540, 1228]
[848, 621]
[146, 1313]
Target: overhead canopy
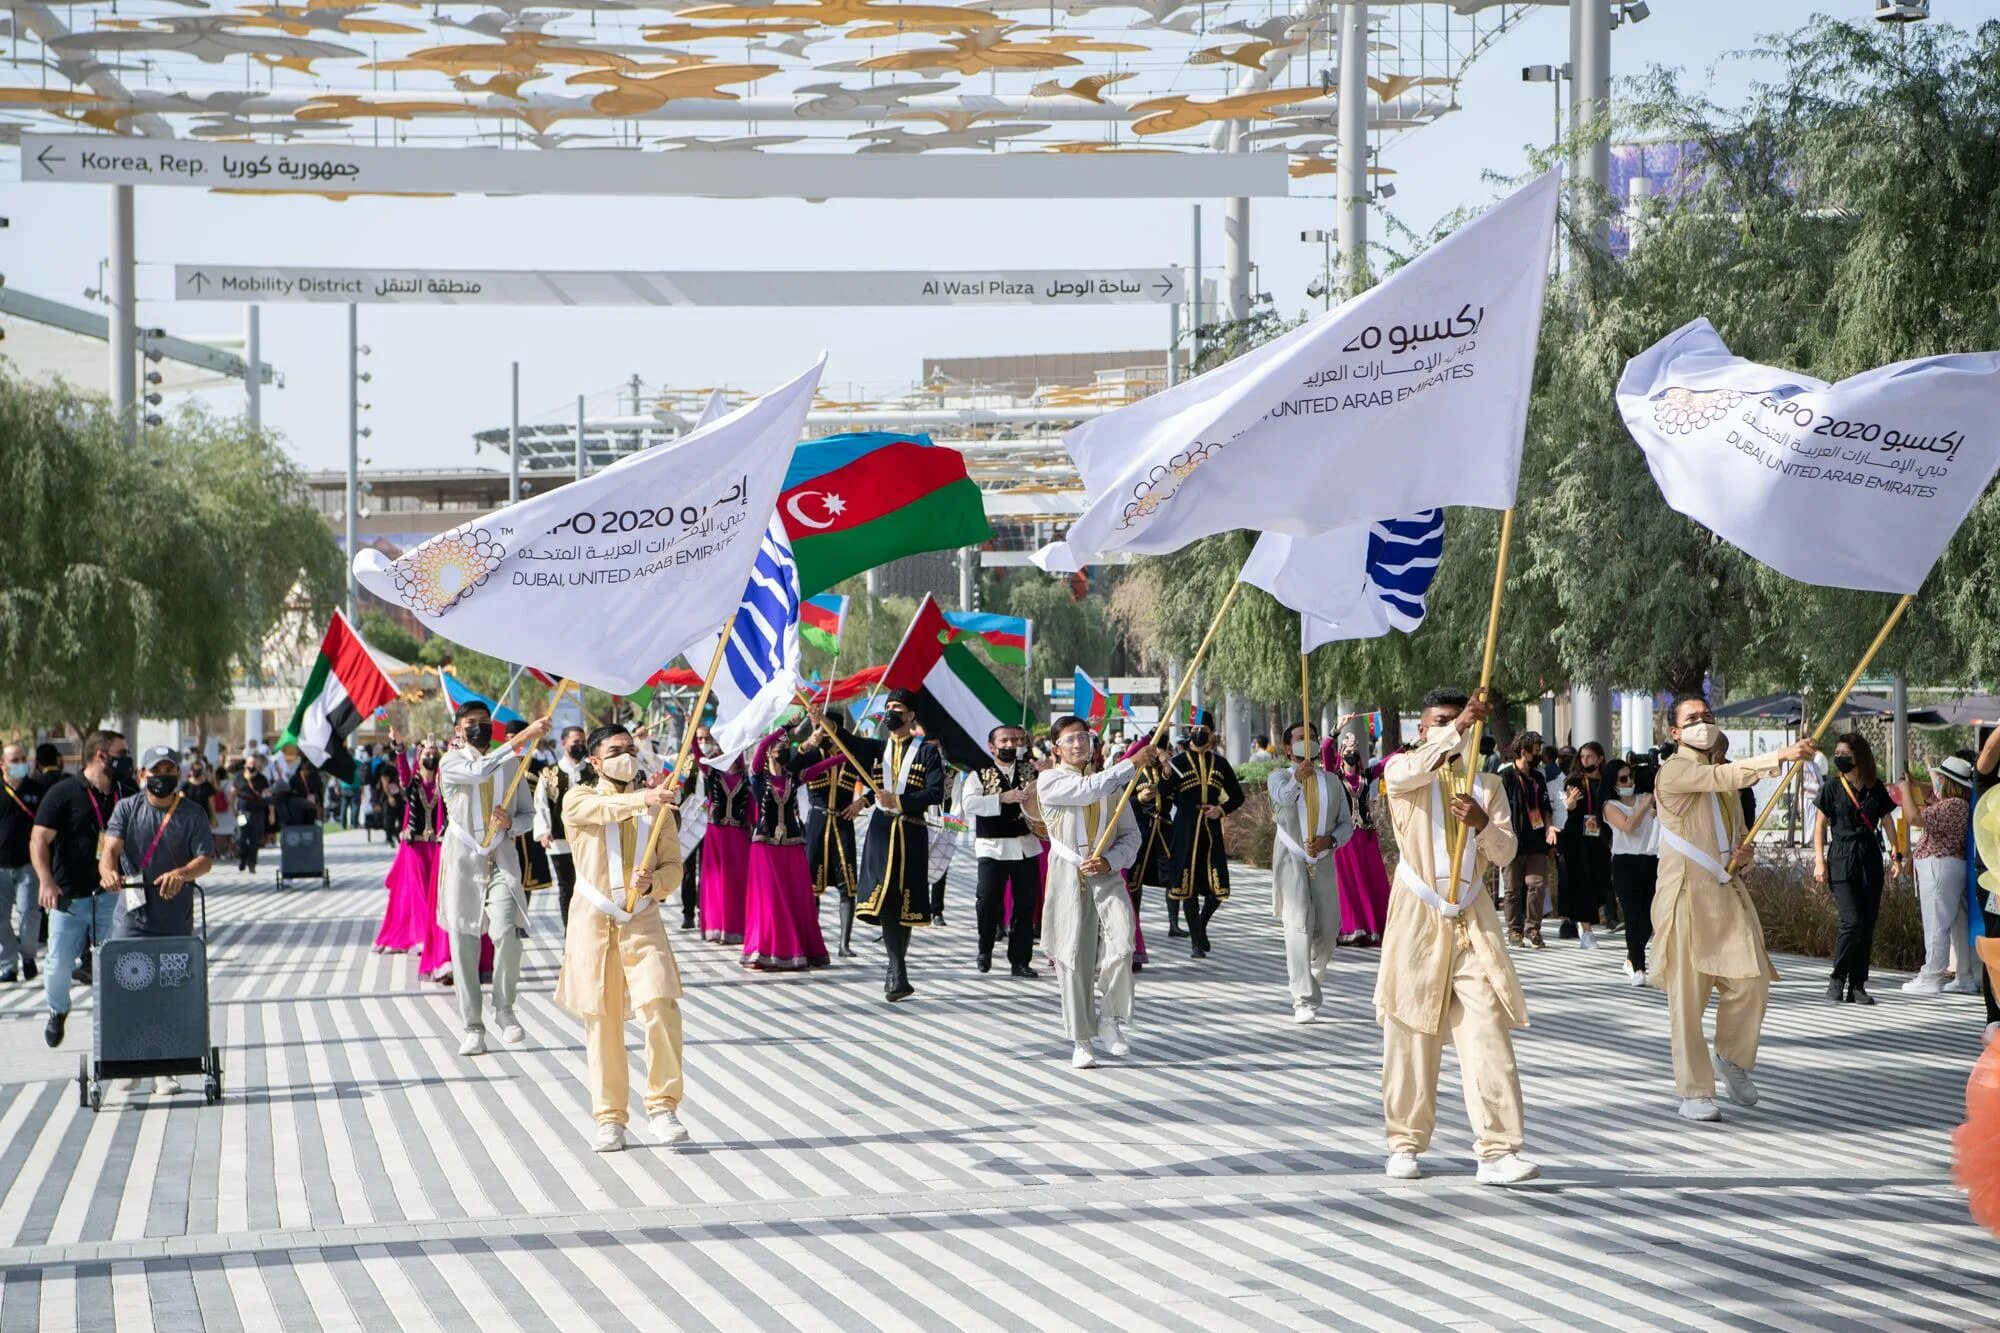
[1790, 709]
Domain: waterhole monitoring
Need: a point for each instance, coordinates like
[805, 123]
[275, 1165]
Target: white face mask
[1300, 749]
[1701, 736]
[620, 768]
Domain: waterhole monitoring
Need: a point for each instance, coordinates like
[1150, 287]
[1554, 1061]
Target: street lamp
[1902, 11]
[1636, 12]
[1554, 76]
[1321, 286]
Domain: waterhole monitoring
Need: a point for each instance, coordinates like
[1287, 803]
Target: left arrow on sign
[44, 159]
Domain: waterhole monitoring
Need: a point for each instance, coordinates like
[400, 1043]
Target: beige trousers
[1477, 1026]
[604, 1041]
[1739, 1019]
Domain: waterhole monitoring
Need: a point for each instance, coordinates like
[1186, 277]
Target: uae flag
[958, 700]
[852, 502]
[346, 685]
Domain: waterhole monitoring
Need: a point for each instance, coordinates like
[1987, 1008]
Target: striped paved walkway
[939, 1165]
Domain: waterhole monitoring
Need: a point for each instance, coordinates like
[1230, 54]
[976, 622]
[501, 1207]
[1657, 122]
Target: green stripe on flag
[953, 515]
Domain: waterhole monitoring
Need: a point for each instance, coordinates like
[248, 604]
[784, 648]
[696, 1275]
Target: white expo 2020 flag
[1410, 396]
[1859, 484]
[613, 575]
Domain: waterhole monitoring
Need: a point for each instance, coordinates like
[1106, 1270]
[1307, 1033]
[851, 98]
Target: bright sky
[441, 374]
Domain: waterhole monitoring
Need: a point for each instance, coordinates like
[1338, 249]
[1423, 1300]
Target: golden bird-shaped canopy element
[840, 13]
[302, 21]
[1100, 146]
[1164, 115]
[56, 97]
[695, 32]
[507, 83]
[1391, 86]
[647, 88]
[1090, 87]
[211, 39]
[520, 52]
[1250, 55]
[349, 106]
[973, 52]
[297, 64]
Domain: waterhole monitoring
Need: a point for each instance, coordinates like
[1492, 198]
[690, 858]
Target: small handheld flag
[1006, 637]
[822, 617]
[1091, 704]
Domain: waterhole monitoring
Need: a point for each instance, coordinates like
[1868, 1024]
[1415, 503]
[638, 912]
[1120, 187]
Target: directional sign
[110, 160]
[413, 286]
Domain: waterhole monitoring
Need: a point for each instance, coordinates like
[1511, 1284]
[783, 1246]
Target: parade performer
[895, 857]
[781, 917]
[725, 854]
[1200, 787]
[1364, 880]
[693, 815]
[833, 798]
[1155, 863]
[1445, 971]
[479, 886]
[998, 799]
[1312, 820]
[550, 791]
[1706, 933]
[618, 964]
[1087, 914]
[410, 919]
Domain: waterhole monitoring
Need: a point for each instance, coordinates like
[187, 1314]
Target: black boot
[1836, 990]
[846, 926]
[897, 939]
[1857, 993]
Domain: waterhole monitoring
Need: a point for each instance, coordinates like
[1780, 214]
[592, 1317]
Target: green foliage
[1068, 633]
[141, 579]
[384, 635]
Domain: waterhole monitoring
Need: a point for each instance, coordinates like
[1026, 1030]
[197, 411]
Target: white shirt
[972, 801]
[544, 820]
[1643, 840]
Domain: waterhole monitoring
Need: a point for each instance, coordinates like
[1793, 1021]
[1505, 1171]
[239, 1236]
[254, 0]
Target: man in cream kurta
[479, 868]
[618, 964]
[1086, 910]
[1312, 820]
[1445, 970]
[1706, 934]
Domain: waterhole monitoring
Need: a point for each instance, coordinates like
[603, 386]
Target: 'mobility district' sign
[921, 287]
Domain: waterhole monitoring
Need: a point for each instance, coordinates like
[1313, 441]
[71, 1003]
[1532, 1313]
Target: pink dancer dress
[781, 917]
[412, 879]
[1363, 879]
[725, 859]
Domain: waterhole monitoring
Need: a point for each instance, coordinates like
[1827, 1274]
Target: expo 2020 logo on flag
[444, 570]
[1685, 411]
[1161, 484]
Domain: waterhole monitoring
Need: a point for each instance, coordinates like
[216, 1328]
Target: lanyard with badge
[1591, 827]
[15, 797]
[98, 815]
[135, 894]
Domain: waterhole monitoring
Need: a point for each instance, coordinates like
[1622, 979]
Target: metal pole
[514, 441]
[1194, 300]
[123, 282]
[1173, 343]
[1590, 43]
[253, 352]
[353, 452]
[1899, 735]
[1351, 170]
[582, 463]
[1236, 256]
[965, 555]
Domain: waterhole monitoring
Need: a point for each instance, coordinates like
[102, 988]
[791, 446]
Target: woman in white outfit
[1635, 861]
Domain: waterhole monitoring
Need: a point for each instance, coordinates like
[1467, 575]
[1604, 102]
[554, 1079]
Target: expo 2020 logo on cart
[1685, 411]
[444, 570]
[135, 971]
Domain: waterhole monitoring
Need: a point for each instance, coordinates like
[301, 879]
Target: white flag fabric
[1353, 582]
[1411, 395]
[1859, 484]
[759, 676]
[612, 575]
[713, 410]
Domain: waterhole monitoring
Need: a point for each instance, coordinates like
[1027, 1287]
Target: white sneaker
[1083, 1057]
[1924, 986]
[1112, 1033]
[666, 1127]
[1585, 938]
[510, 1027]
[1507, 1169]
[473, 1044]
[442, 976]
[1304, 1013]
[166, 1086]
[608, 1138]
[1403, 1166]
[1700, 1108]
[1963, 987]
[1736, 1078]
[1635, 975]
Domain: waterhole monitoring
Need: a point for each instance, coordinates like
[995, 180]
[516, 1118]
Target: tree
[385, 635]
[1069, 633]
[140, 579]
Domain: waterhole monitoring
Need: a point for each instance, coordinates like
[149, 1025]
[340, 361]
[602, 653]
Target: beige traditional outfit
[1444, 968]
[1706, 934]
[618, 965]
[1305, 892]
[1087, 923]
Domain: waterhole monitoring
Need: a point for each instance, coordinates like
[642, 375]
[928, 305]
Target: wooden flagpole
[687, 743]
[1485, 682]
[521, 770]
[1832, 712]
[840, 745]
[1167, 715]
[1305, 699]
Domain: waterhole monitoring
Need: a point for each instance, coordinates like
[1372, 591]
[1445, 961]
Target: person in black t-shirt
[20, 794]
[1524, 887]
[63, 847]
[1855, 811]
[250, 792]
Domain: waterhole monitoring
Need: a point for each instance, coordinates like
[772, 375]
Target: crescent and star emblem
[832, 504]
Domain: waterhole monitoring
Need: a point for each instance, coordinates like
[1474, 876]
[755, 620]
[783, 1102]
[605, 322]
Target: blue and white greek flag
[759, 676]
[1353, 582]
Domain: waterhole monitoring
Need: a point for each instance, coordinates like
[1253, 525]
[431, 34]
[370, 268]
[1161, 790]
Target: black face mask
[120, 766]
[577, 752]
[162, 784]
[479, 735]
[897, 719]
[1006, 754]
[1844, 762]
[431, 762]
[1198, 737]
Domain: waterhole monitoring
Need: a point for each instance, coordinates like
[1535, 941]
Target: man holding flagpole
[1445, 973]
[895, 857]
[479, 879]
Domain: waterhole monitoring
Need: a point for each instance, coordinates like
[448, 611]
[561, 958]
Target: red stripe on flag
[877, 483]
